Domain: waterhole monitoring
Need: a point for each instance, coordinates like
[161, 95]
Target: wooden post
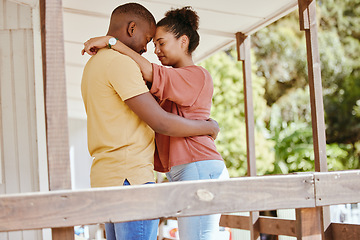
[55, 102]
[243, 50]
[308, 224]
[308, 23]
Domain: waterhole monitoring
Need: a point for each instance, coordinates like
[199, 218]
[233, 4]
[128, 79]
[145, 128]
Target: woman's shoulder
[192, 72]
[203, 72]
[198, 70]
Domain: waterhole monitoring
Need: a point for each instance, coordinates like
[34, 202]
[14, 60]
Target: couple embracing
[134, 129]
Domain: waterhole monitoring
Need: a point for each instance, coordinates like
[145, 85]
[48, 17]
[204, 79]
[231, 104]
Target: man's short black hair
[136, 10]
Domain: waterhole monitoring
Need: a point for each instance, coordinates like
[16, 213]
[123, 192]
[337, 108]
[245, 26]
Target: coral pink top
[186, 92]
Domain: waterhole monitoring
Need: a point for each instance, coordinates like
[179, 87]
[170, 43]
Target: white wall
[19, 163]
[79, 155]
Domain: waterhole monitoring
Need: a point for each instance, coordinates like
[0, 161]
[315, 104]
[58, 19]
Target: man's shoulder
[108, 57]
[119, 58]
[112, 54]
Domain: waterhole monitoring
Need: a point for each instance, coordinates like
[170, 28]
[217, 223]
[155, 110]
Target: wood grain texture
[70, 208]
[308, 23]
[234, 221]
[308, 224]
[267, 225]
[244, 48]
[55, 95]
[55, 102]
[345, 231]
[337, 187]
[277, 226]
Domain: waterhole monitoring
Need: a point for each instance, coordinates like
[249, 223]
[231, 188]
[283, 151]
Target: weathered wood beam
[337, 187]
[243, 47]
[345, 231]
[55, 102]
[308, 23]
[69, 208]
[267, 225]
[55, 95]
[234, 221]
[276, 226]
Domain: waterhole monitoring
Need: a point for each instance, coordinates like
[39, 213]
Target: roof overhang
[219, 23]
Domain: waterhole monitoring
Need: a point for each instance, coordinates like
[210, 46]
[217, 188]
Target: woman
[184, 89]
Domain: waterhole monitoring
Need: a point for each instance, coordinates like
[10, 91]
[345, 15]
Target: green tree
[228, 110]
[283, 132]
[281, 59]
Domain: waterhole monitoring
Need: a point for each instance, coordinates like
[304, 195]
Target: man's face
[142, 36]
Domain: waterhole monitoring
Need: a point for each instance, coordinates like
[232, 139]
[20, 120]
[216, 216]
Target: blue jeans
[135, 230]
[199, 227]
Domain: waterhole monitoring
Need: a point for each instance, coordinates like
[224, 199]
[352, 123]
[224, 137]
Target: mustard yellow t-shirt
[121, 144]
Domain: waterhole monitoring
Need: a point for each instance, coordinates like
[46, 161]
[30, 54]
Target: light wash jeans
[199, 227]
[135, 230]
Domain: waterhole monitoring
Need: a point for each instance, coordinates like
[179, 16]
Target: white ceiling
[219, 22]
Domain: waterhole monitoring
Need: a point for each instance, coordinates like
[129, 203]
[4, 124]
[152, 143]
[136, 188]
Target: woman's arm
[94, 44]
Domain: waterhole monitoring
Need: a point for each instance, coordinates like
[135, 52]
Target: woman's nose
[156, 51]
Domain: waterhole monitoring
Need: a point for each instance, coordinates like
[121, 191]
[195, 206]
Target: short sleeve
[126, 78]
[180, 85]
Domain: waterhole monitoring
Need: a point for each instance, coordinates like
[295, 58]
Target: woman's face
[168, 49]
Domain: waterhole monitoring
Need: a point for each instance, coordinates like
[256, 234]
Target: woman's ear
[131, 28]
[184, 41]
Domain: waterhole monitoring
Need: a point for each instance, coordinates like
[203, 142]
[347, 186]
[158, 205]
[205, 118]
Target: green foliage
[228, 110]
[341, 108]
[280, 50]
[283, 132]
[294, 146]
[280, 53]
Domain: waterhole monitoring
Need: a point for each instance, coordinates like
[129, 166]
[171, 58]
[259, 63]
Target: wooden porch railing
[67, 208]
[308, 192]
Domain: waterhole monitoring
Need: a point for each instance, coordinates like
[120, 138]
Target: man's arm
[145, 106]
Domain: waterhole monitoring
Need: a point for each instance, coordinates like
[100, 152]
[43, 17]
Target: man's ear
[131, 28]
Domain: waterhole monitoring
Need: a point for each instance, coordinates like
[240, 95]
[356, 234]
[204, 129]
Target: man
[122, 113]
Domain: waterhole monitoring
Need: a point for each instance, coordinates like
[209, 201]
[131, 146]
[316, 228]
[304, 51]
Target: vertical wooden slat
[8, 118]
[1, 145]
[3, 60]
[22, 109]
[2, 15]
[11, 15]
[308, 225]
[308, 23]
[40, 131]
[55, 102]
[18, 140]
[62, 233]
[1, 124]
[314, 75]
[11, 175]
[243, 43]
[243, 49]
[11, 160]
[33, 141]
